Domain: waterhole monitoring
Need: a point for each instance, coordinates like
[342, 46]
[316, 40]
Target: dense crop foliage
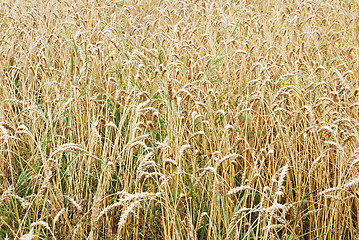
[179, 119]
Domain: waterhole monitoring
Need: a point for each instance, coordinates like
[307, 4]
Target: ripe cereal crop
[179, 119]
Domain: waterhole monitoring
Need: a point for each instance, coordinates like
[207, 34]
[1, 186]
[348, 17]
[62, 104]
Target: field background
[179, 119]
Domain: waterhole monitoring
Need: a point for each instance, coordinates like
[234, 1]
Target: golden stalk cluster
[179, 119]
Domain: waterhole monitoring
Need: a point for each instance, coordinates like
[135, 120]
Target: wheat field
[179, 119]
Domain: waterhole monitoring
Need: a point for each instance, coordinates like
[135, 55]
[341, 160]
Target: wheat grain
[24, 203]
[68, 147]
[29, 235]
[238, 189]
[281, 180]
[56, 218]
[126, 213]
[73, 202]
